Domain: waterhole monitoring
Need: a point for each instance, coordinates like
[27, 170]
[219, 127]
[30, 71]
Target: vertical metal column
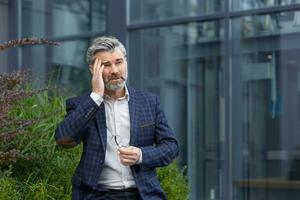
[116, 19]
[228, 176]
[19, 23]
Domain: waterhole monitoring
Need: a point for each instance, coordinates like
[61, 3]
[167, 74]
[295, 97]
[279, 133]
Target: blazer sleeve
[69, 132]
[166, 147]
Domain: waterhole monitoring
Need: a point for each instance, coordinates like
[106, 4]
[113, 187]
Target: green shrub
[12, 92]
[48, 175]
[174, 182]
[8, 190]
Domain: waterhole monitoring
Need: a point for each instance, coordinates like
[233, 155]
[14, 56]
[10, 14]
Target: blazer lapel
[101, 123]
[133, 113]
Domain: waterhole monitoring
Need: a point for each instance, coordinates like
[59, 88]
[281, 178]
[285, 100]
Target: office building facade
[227, 72]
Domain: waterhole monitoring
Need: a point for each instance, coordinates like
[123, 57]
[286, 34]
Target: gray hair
[103, 43]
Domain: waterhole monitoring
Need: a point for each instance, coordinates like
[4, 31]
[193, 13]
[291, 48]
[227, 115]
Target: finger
[95, 67]
[98, 62]
[101, 70]
[128, 162]
[98, 68]
[127, 150]
[95, 62]
[132, 156]
[127, 153]
[129, 157]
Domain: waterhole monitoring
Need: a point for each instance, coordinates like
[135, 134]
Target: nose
[114, 68]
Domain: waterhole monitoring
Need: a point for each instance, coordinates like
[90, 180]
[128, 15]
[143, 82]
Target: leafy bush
[50, 174]
[174, 182]
[12, 127]
[8, 190]
[47, 175]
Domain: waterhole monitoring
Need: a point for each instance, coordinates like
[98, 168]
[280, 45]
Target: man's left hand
[129, 155]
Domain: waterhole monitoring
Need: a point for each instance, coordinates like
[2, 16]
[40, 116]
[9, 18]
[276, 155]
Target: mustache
[116, 77]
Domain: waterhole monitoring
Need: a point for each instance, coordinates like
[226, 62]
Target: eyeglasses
[116, 140]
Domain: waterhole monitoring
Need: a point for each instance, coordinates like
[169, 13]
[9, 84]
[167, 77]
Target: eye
[119, 62]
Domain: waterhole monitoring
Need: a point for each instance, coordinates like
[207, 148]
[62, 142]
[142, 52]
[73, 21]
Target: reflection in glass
[266, 123]
[183, 64]
[69, 68]
[4, 34]
[62, 65]
[255, 4]
[271, 24]
[144, 11]
[62, 17]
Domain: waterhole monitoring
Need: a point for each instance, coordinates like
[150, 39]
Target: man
[124, 132]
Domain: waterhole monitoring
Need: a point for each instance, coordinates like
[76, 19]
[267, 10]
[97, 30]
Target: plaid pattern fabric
[149, 130]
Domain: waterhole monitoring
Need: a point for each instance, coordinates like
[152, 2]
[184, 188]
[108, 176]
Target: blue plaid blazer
[149, 130]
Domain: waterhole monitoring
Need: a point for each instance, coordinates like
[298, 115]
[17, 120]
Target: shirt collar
[125, 97]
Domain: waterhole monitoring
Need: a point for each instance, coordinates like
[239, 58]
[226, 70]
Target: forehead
[109, 56]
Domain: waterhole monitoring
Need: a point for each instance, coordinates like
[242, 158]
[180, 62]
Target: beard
[115, 86]
[118, 85]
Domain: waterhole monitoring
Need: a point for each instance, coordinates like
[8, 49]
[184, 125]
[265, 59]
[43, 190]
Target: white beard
[115, 87]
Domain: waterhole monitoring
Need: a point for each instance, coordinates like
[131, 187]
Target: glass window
[183, 64]
[265, 107]
[62, 65]
[271, 24]
[61, 18]
[3, 34]
[155, 10]
[255, 4]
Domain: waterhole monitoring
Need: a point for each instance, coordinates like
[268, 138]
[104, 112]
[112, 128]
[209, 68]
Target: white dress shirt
[114, 175]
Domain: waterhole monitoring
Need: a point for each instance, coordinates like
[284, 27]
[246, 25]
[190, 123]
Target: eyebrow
[107, 62]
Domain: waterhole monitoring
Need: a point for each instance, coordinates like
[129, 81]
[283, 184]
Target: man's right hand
[97, 79]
